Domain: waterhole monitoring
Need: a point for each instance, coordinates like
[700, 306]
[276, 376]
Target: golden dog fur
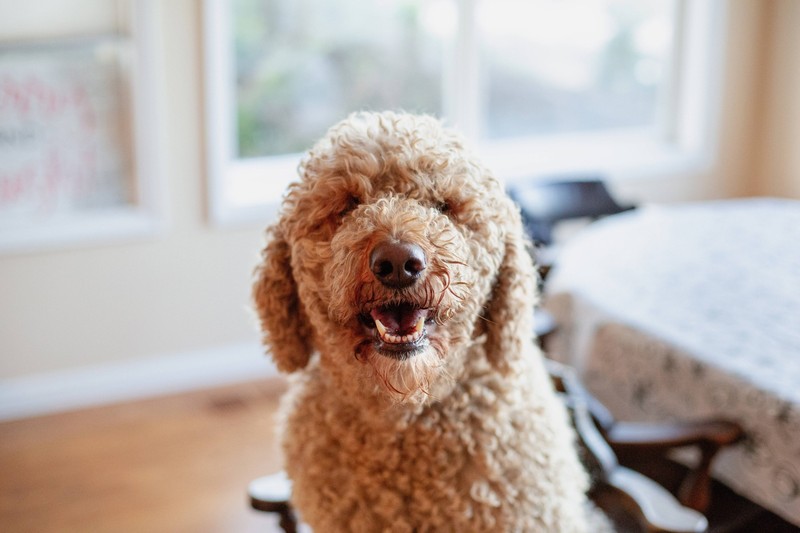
[464, 433]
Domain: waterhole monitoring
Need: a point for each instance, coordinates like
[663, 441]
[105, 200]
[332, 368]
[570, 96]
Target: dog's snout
[397, 264]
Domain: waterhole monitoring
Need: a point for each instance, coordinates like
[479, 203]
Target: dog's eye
[443, 207]
[352, 203]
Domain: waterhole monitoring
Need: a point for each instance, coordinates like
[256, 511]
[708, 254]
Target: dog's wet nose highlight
[397, 264]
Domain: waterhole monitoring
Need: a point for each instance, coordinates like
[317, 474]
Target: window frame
[144, 216]
[684, 142]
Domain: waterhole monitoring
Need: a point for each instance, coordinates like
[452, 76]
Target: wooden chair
[271, 494]
[633, 501]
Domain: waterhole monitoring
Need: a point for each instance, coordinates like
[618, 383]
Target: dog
[397, 290]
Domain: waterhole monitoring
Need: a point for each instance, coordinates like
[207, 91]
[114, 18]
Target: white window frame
[684, 143]
[144, 216]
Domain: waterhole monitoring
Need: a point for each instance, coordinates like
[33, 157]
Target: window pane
[551, 66]
[302, 65]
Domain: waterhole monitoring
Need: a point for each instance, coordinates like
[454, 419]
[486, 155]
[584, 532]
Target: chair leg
[544, 326]
[288, 521]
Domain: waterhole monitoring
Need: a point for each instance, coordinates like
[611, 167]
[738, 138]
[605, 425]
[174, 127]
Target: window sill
[619, 156]
[256, 186]
[81, 230]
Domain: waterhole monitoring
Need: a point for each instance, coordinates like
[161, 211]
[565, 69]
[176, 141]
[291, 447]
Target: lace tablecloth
[693, 311]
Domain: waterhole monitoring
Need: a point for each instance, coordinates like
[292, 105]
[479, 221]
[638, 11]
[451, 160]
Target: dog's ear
[283, 321]
[510, 308]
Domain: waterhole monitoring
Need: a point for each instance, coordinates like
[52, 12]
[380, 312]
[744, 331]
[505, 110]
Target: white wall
[187, 289]
[778, 165]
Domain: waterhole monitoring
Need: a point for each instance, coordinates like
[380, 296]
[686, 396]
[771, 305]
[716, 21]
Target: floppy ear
[283, 321]
[510, 309]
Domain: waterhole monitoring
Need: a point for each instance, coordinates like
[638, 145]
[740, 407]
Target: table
[691, 311]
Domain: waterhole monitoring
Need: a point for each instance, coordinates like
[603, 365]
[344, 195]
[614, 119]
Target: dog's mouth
[398, 330]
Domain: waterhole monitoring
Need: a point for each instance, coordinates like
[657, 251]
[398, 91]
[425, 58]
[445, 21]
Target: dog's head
[396, 254]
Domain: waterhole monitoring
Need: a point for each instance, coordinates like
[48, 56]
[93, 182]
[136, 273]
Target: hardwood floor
[173, 464]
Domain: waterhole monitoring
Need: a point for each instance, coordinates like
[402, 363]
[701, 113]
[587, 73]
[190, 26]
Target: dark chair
[271, 494]
[632, 501]
[546, 203]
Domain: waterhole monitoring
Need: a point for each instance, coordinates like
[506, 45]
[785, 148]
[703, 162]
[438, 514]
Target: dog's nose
[397, 264]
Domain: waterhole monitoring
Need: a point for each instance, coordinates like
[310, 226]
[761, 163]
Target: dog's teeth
[413, 336]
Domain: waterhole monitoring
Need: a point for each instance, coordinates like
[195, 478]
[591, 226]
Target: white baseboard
[114, 382]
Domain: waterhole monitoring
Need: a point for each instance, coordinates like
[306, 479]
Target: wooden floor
[176, 464]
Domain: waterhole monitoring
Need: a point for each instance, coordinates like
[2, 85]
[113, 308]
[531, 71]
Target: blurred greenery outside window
[303, 65]
[541, 66]
[627, 88]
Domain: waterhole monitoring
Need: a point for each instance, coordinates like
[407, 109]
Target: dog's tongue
[399, 319]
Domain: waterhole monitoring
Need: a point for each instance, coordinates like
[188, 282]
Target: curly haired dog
[397, 290]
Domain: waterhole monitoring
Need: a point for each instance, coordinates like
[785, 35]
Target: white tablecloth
[693, 311]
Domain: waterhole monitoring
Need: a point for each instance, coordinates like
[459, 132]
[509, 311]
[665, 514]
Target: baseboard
[129, 380]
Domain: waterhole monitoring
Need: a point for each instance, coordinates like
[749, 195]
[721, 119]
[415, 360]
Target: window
[552, 67]
[303, 66]
[540, 86]
[79, 152]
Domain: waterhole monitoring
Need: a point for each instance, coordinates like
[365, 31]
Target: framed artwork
[78, 146]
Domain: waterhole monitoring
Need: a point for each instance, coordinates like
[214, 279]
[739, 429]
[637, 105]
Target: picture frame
[79, 161]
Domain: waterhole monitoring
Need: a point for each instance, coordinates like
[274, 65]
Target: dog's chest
[397, 450]
[445, 461]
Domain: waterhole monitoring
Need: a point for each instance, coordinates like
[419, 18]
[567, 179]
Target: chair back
[546, 203]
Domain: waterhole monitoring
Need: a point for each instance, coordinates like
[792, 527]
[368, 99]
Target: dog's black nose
[397, 264]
